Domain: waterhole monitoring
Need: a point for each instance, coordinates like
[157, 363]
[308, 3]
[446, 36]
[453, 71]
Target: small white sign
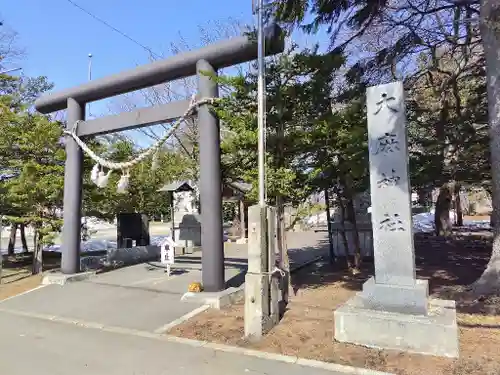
[167, 251]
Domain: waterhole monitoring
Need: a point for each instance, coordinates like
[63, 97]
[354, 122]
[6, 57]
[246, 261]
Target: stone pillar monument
[393, 311]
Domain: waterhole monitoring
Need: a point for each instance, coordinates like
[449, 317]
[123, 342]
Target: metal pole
[261, 99]
[89, 79]
[212, 256]
[84, 224]
[172, 214]
[72, 205]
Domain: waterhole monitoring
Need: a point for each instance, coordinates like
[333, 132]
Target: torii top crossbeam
[219, 55]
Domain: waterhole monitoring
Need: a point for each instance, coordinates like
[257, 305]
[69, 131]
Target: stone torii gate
[208, 59]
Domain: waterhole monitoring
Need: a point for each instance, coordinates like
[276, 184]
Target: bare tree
[10, 51]
[185, 137]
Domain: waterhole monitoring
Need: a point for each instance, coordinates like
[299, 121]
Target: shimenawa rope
[101, 179]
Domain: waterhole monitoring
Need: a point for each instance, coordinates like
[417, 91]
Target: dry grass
[21, 285]
[16, 273]
[306, 329]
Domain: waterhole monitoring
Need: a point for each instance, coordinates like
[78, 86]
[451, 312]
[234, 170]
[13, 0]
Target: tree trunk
[351, 214]
[12, 239]
[442, 221]
[424, 197]
[37, 254]
[351, 217]
[343, 233]
[329, 226]
[22, 228]
[489, 282]
[459, 217]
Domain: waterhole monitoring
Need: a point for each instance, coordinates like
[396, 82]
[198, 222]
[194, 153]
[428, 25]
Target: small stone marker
[392, 311]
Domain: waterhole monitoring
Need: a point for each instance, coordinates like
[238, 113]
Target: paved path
[30, 345]
[107, 325]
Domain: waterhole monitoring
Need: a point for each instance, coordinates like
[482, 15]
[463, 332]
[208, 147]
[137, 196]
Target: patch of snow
[317, 219]
[94, 223]
[422, 223]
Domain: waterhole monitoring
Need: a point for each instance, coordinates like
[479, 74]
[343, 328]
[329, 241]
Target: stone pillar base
[405, 299]
[435, 333]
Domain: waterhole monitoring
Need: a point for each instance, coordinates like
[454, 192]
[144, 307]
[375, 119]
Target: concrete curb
[280, 357]
[340, 368]
[61, 279]
[348, 370]
[216, 300]
[181, 320]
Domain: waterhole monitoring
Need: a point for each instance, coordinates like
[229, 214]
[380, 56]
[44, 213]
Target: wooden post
[241, 212]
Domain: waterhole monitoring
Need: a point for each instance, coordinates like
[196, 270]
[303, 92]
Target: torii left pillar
[212, 242]
[72, 214]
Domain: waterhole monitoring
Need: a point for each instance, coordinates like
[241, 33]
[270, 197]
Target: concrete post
[257, 280]
[262, 293]
[72, 204]
[210, 184]
[274, 286]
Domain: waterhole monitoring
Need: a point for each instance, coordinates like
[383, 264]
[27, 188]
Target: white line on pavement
[23, 293]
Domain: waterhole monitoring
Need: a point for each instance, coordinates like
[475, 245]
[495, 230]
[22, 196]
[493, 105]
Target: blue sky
[58, 37]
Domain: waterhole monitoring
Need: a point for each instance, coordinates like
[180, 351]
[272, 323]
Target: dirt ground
[477, 217]
[20, 285]
[16, 273]
[306, 329]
